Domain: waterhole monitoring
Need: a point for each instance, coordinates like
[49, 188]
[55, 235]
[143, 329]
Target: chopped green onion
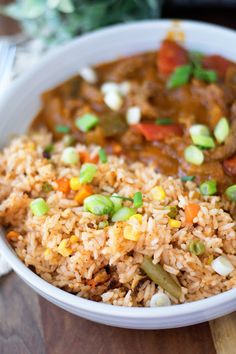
[98, 204]
[199, 129]
[222, 130]
[39, 207]
[138, 200]
[160, 277]
[204, 141]
[187, 178]
[164, 121]
[46, 187]
[173, 211]
[208, 187]
[86, 122]
[205, 75]
[103, 224]
[231, 192]
[69, 140]
[62, 129]
[180, 76]
[117, 201]
[70, 156]
[194, 155]
[49, 148]
[123, 214]
[196, 247]
[87, 173]
[102, 155]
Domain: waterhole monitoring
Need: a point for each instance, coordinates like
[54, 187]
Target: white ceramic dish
[21, 102]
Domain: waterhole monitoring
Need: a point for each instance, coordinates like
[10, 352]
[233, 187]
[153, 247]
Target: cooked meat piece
[213, 98]
[131, 138]
[91, 93]
[229, 147]
[128, 68]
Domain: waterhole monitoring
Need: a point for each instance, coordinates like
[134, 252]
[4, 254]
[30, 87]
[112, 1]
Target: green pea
[196, 247]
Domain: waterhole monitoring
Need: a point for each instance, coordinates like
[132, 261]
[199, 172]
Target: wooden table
[31, 325]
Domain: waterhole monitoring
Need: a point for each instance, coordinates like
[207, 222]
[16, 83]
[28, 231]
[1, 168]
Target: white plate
[22, 102]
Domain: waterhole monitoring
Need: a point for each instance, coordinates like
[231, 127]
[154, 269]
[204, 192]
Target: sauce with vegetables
[174, 108]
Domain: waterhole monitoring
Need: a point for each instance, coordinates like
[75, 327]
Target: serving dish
[22, 102]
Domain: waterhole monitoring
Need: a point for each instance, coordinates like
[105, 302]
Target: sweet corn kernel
[74, 239]
[47, 253]
[63, 249]
[74, 184]
[158, 193]
[31, 146]
[174, 223]
[137, 217]
[130, 233]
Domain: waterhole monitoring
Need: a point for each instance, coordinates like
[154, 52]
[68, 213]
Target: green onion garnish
[208, 187]
[194, 155]
[102, 155]
[86, 122]
[98, 204]
[87, 173]
[199, 129]
[204, 141]
[196, 247]
[39, 207]
[179, 77]
[62, 129]
[205, 75]
[49, 148]
[138, 199]
[163, 121]
[117, 202]
[46, 187]
[231, 192]
[123, 214]
[222, 130]
[187, 178]
[70, 156]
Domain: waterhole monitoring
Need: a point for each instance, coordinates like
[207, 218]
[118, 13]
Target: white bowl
[22, 101]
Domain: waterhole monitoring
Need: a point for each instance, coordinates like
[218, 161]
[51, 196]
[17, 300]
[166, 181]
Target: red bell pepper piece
[229, 166]
[170, 56]
[154, 132]
[218, 64]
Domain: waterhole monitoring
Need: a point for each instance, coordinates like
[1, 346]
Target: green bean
[160, 277]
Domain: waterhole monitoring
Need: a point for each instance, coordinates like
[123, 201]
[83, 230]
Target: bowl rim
[42, 286]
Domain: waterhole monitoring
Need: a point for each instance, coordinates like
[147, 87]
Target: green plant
[56, 21]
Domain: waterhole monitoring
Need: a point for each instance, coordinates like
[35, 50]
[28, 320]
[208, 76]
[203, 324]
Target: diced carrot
[154, 132]
[191, 211]
[85, 191]
[230, 166]
[217, 63]
[170, 56]
[63, 185]
[13, 235]
[85, 157]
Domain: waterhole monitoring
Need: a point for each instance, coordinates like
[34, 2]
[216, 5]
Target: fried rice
[102, 264]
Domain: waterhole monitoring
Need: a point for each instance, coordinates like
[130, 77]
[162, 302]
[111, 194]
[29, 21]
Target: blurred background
[36, 26]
